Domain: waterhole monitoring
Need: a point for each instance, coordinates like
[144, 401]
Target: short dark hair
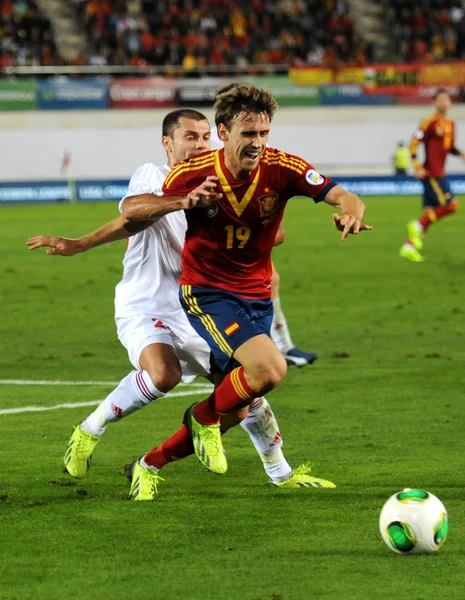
[171, 121]
[242, 98]
[440, 91]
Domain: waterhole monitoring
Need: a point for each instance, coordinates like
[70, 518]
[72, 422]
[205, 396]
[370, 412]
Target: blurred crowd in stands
[190, 33]
[427, 30]
[195, 33]
[26, 36]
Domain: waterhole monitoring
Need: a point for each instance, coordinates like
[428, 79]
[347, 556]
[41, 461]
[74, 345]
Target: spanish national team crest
[268, 204]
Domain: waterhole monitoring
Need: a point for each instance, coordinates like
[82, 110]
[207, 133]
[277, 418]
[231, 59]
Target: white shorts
[138, 332]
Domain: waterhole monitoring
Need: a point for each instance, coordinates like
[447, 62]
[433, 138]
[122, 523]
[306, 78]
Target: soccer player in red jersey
[437, 133]
[226, 278]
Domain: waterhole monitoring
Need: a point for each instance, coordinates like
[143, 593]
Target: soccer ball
[414, 522]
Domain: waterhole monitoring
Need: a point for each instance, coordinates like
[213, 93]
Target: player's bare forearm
[348, 203]
[150, 206]
[118, 229]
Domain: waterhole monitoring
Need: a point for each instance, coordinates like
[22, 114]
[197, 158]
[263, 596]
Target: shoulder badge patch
[313, 178]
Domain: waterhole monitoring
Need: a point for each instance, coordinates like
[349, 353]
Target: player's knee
[454, 205]
[272, 373]
[166, 377]
[277, 373]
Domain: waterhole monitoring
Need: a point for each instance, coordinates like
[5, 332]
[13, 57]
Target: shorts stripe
[431, 215]
[437, 190]
[237, 385]
[208, 322]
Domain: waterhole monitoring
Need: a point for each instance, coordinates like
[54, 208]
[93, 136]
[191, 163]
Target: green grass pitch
[382, 409]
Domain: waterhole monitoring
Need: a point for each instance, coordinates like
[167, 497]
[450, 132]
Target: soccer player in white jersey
[161, 344]
[280, 333]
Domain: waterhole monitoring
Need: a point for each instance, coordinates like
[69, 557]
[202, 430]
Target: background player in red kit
[437, 133]
[225, 284]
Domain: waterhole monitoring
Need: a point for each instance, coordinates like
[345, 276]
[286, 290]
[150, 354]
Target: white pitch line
[56, 382]
[23, 409]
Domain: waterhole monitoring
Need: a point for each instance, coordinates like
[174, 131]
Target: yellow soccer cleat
[410, 253]
[207, 443]
[78, 455]
[144, 483]
[415, 235]
[301, 478]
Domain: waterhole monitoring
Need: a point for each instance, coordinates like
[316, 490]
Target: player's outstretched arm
[118, 229]
[150, 206]
[352, 208]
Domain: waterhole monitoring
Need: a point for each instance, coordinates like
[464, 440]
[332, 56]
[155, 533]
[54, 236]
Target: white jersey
[152, 262]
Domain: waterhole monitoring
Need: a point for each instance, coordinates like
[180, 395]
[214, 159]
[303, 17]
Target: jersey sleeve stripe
[174, 174]
[285, 162]
[192, 161]
[202, 157]
[297, 161]
[291, 159]
[299, 170]
[274, 157]
[427, 122]
[206, 160]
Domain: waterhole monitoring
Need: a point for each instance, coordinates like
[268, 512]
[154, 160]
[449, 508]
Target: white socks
[134, 392]
[279, 330]
[262, 427]
[144, 465]
[418, 226]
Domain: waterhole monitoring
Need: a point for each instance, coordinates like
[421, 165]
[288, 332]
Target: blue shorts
[225, 321]
[436, 192]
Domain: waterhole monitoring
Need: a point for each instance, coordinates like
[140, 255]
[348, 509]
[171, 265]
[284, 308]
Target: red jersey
[228, 246]
[438, 136]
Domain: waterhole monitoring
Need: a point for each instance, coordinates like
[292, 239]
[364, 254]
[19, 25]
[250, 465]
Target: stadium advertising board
[350, 75]
[62, 94]
[394, 185]
[386, 78]
[350, 94]
[18, 94]
[60, 191]
[147, 92]
[92, 191]
[287, 93]
[203, 91]
[424, 94]
[443, 74]
[312, 76]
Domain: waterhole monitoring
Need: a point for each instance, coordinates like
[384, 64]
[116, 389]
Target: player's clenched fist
[205, 194]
